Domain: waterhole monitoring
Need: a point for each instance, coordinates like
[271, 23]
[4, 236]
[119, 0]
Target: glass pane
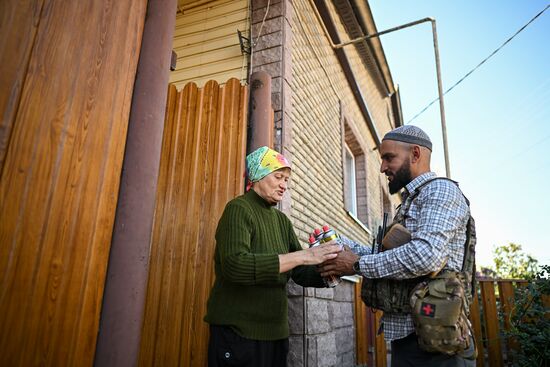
[351, 191]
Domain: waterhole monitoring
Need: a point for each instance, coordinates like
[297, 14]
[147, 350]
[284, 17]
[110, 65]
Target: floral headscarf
[262, 162]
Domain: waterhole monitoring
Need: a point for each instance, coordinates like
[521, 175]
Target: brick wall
[320, 96]
[311, 99]
[271, 37]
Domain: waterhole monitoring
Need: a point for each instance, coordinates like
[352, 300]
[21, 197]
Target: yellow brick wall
[319, 87]
[378, 103]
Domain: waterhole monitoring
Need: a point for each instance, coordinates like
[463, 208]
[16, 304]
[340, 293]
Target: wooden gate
[493, 348]
[202, 166]
[66, 79]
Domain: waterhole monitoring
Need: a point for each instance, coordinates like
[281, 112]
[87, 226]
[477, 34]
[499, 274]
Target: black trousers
[227, 348]
[407, 353]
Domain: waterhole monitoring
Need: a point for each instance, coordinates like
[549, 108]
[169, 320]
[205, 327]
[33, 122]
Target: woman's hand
[311, 256]
[320, 254]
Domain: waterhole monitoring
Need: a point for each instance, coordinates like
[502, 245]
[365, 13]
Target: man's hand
[341, 265]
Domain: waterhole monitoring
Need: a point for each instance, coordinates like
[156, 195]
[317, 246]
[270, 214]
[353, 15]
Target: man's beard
[401, 178]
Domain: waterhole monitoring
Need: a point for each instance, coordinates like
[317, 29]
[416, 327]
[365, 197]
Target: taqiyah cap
[410, 134]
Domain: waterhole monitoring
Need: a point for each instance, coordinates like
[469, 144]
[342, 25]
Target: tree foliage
[530, 322]
[512, 263]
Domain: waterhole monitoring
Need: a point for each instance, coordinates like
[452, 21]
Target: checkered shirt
[437, 219]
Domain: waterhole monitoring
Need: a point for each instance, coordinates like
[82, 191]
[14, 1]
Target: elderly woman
[257, 252]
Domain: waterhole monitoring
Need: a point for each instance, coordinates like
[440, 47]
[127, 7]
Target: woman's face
[273, 186]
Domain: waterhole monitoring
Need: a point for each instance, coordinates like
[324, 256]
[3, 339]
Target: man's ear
[415, 153]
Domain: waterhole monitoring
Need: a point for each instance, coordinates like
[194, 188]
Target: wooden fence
[202, 166]
[66, 80]
[494, 295]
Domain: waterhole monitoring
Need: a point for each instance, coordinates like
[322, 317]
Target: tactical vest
[394, 295]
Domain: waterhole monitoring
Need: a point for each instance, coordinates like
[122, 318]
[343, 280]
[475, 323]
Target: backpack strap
[470, 225]
[467, 251]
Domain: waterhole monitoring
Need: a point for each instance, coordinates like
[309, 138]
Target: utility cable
[481, 63]
[262, 25]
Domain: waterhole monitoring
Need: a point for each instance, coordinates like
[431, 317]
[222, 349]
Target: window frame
[351, 182]
[352, 142]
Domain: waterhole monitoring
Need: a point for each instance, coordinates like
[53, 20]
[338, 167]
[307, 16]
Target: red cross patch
[427, 309]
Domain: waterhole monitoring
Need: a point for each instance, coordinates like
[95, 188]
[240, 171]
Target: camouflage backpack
[439, 305]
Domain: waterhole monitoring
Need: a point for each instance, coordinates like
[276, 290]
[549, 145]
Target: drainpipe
[120, 325]
[325, 18]
[260, 128]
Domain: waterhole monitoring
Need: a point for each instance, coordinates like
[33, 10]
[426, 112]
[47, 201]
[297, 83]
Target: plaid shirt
[437, 219]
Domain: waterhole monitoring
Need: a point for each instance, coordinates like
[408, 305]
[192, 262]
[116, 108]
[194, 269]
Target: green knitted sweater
[249, 294]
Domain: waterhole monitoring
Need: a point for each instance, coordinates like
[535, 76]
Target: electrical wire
[519, 154]
[481, 63]
[262, 25]
[252, 43]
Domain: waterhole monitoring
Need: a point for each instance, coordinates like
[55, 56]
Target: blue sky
[498, 119]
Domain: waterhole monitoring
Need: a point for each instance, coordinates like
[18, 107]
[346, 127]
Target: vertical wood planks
[202, 166]
[488, 336]
[361, 328]
[476, 325]
[19, 22]
[506, 295]
[381, 354]
[491, 322]
[370, 347]
[67, 117]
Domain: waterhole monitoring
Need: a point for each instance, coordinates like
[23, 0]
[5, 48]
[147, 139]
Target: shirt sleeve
[442, 214]
[238, 264]
[356, 247]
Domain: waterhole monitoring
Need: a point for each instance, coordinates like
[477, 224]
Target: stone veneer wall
[329, 326]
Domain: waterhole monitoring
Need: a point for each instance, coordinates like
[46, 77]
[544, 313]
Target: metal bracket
[244, 42]
[173, 60]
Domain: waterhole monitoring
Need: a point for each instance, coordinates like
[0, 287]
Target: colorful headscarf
[262, 162]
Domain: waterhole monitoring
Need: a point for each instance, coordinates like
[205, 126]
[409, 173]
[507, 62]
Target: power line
[522, 152]
[481, 63]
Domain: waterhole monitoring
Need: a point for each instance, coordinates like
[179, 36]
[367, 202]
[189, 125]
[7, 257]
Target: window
[350, 189]
[355, 175]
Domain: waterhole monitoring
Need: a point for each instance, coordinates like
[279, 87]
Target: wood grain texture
[506, 297]
[381, 353]
[202, 166]
[361, 328]
[491, 322]
[475, 319]
[59, 183]
[485, 323]
[18, 24]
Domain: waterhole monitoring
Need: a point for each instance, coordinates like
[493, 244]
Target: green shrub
[530, 322]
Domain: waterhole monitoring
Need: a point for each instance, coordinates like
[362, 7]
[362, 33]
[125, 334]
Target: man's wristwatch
[356, 267]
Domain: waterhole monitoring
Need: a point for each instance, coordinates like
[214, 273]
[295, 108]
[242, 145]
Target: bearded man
[436, 214]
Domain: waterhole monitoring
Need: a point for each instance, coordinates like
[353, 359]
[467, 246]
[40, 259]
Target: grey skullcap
[410, 134]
